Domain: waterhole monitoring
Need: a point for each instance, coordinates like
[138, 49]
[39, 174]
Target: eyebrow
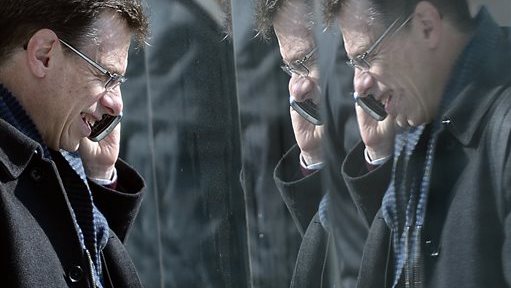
[361, 49]
[113, 69]
[294, 59]
[110, 67]
[352, 55]
[303, 55]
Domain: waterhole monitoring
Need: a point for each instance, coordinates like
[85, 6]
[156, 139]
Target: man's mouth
[88, 119]
[385, 100]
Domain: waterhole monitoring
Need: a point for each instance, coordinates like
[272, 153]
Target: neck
[15, 78]
[12, 75]
[447, 55]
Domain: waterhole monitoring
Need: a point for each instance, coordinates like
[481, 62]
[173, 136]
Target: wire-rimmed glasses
[114, 79]
[298, 67]
[361, 61]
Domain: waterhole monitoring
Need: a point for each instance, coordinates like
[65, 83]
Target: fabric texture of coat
[39, 242]
[318, 264]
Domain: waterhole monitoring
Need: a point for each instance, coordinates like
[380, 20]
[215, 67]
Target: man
[266, 134]
[66, 202]
[298, 175]
[440, 217]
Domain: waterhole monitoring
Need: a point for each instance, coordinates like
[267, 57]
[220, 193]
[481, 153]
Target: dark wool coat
[39, 244]
[324, 257]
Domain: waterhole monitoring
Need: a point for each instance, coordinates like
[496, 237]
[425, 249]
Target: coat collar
[485, 64]
[21, 138]
[16, 150]
[466, 114]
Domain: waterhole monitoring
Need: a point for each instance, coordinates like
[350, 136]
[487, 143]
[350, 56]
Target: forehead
[112, 41]
[359, 27]
[112, 30]
[293, 27]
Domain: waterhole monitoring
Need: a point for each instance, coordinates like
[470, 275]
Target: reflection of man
[61, 64]
[440, 210]
[182, 86]
[297, 173]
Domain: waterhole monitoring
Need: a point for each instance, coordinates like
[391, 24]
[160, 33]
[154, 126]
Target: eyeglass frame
[363, 64]
[115, 78]
[290, 70]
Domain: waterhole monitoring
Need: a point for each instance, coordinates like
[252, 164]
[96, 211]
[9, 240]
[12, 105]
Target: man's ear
[41, 51]
[428, 23]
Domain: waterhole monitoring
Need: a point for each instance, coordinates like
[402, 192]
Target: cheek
[414, 109]
[89, 93]
[314, 72]
[400, 79]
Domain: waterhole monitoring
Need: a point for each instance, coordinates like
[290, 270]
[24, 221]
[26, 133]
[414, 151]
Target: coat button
[446, 121]
[75, 274]
[36, 174]
[431, 249]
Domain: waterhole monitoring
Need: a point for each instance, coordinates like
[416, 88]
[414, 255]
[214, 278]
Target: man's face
[398, 71]
[78, 96]
[296, 41]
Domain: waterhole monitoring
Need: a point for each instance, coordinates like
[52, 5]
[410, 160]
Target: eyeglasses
[114, 79]
[298, 67]
[360, 61]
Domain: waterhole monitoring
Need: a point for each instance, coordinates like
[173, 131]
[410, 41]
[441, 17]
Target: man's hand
[378, 136]
[99, 157]
[308, 137]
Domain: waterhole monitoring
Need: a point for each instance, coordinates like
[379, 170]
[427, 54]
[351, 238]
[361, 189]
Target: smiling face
[399, 75]
[294, 33]
[76, 95]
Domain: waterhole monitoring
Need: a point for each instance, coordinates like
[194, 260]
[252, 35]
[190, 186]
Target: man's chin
[70, 147]
[407, 123]
[402, 122]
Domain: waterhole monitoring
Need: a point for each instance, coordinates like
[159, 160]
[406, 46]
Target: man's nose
[300, 87]
[112, 101]
[363, 81]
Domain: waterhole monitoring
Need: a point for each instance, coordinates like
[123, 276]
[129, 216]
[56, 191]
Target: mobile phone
[372, 107]
[307, 109]
[104, 126]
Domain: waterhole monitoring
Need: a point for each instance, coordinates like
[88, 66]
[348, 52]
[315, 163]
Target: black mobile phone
[372, 107]
[104, 126]
[307, 109]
